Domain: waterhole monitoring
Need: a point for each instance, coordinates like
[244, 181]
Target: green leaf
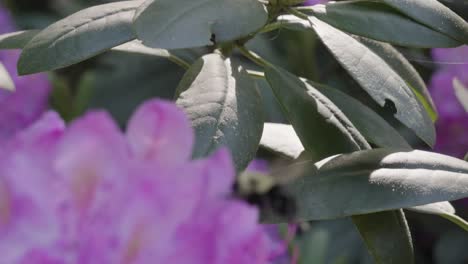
[462, 223]
[387, 236]
[461, 92]
[373, 127]
[182, 57]
[5, 79]
[403, 67]
[376, 180]
[381, 22]
[137, 47]
[435, 15]
[434, 208]
[315, 119]
[78, 37]
[282, 140]
[332, 242]
[442, 209]
[292, 22]
[225, 107]
[377, 78]
[17, 40]
[321, 126]
[176, 24]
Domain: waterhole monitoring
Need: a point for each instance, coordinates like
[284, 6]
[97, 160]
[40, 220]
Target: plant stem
[271, 27]
[298, 13]
[456, 220]
[253, 56]
[179, 61]
[256, 74]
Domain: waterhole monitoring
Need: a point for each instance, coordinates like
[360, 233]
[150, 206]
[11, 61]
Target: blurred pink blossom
[90, 194]
[452, 126]
[20, 108]
[314, 2]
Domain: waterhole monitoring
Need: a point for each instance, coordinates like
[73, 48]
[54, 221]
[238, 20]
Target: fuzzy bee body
[265, 192]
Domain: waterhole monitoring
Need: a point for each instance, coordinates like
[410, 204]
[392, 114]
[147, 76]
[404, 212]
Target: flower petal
[26, 161]
[25, 178]
[218, 172]
[159, 131]
[92, 156]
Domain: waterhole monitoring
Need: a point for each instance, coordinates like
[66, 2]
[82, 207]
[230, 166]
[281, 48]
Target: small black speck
[390, 106]
[213, 38]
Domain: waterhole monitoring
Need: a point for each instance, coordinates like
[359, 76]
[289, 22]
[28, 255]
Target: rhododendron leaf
[433, 14]
[5, 79]
[434, 208]
[182, 57]
[315, 119]
[381, 22]
[225, 107]
[377, 180]
[403, 67]
[282, 140]
[135, 46]
[378, 79]
[461, 92]
[387, 236]
[163, 23]
[323, 129]
[17, 40]
[452, 217]
[78, 37]
[293, 22]
[442, 209]
[373, 127]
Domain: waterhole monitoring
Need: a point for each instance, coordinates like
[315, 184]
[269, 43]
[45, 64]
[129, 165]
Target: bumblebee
[265, 192]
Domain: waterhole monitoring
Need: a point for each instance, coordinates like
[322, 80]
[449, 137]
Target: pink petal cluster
[91, 194]
[20, 108]
[452, 126]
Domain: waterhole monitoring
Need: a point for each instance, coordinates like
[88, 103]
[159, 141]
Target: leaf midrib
[86, 23]
[227, 70]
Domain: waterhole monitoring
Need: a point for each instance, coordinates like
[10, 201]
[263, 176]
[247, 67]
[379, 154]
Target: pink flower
[22, 107]
[314, 2]
[90, 194]
[452, 125]
[450, 57]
